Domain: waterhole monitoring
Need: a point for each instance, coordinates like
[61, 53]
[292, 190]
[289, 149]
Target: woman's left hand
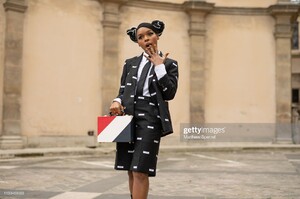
[154, 56]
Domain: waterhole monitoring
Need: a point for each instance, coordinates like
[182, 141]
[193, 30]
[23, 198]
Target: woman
[148, 81]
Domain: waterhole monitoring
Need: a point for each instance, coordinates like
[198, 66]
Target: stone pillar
[11, 124]
[110, 78]
[197, 11]
[283, 14]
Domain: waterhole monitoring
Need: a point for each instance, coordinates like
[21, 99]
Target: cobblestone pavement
[182, 175]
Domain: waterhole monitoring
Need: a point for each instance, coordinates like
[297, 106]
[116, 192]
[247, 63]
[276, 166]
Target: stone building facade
[60, 63]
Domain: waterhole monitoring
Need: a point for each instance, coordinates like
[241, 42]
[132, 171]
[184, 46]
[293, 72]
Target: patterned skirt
[141, 155]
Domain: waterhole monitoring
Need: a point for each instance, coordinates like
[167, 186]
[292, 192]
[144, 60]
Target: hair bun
[132, 34]
[159, 26]
[156, 26]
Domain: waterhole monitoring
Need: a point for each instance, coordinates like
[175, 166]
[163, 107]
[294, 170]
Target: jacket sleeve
[168, 83]
[123, 82]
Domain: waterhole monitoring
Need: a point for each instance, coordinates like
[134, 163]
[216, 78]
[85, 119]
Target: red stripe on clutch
[103, 122]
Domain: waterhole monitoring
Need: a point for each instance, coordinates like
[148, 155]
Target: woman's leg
[130, 180]
[140, 185]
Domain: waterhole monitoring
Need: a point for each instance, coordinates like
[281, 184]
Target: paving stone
[182, 175]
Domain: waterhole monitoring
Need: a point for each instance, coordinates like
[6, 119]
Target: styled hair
[156, 25]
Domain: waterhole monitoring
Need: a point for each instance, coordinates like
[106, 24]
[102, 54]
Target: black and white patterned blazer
[161, 90]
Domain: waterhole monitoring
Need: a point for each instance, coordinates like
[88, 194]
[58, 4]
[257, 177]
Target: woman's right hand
[116, 109]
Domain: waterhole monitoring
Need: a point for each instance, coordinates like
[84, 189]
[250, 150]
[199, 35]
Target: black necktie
[143, 77]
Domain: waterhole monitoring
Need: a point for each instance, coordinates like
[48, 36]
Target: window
[295, 37]
[295, 95]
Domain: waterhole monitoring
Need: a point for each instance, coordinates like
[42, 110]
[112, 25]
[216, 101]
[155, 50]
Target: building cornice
[15, 5]
[114, 1]
[240, 11]
[198, 6]
[203, 7]
[284, 9]
[154, 5]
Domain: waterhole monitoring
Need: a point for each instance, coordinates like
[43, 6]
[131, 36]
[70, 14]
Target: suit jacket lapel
[134, 69]
[131, 80]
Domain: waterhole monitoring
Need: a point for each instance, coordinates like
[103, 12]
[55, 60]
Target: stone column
[11, 124]
[110, 78]
[283, 14]
[197, 11]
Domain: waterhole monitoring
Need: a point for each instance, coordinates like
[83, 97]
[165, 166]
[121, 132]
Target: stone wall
[73, 53]
[240, 65]
[62, 60]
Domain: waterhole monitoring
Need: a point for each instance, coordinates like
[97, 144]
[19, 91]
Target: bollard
[91, 140]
